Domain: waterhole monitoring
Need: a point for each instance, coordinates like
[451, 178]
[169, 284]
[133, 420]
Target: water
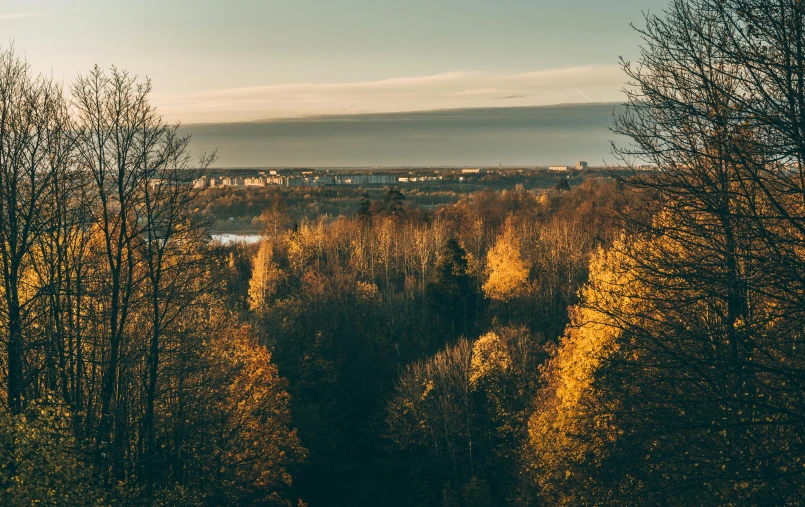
[228, 239]
[544, 135]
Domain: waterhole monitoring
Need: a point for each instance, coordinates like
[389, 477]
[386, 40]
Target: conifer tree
[364, 209]
[452, 292]
[393, 201]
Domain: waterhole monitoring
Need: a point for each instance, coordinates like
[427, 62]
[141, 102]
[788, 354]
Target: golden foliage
[367, 292]
[490, 356]
[507, 270]
[266, 276]
[249, 446]
[259, 414]
[571, 429]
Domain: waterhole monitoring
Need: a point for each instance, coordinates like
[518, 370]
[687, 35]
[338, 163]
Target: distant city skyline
[241, 61]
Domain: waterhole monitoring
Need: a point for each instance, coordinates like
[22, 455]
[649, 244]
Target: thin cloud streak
[448, 90]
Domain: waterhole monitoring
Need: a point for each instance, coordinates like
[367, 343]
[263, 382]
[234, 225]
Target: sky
[241, 61]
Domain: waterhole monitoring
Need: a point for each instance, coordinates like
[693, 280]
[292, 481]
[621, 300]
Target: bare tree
[115, 146]
[34, 143]
[171, 248]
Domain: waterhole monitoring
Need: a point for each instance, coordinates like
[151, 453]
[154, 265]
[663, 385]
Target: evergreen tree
[452, 293]
[364, 210]
[393, 201]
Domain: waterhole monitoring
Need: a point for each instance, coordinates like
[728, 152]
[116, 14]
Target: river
[228, 239]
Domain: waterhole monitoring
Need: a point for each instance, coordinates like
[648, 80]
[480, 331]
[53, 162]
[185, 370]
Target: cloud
[448, 90]
[20, 15]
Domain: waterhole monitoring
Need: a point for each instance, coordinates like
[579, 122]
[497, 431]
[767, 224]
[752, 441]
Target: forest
[238, 209]
[630, 340]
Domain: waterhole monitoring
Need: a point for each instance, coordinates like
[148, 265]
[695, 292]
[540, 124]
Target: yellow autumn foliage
[507, 270]
[367, 292]
[489, 356]
[572, 428]
[251, 447]
[266, 276]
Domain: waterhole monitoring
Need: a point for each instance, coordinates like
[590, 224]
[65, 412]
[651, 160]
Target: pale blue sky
[248, 59]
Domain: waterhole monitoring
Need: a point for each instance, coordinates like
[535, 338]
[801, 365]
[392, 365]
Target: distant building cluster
[300, 179]
[329, 177]
[415, 179]
[580, 166]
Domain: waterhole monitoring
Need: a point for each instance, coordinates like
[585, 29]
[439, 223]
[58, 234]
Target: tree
[113, 115]
[461, 416]
[431, 410]
[393, 201]
[724, 125]
[266, 277]
[572, 427]
[40, 466]
[145, 244]
[506, 268]
[249, 445]
[677, 379]
[451, 292]
[124, 377]
[169, 246]
[34, 146]
[562, 186]
[364, 207]
[274, 215]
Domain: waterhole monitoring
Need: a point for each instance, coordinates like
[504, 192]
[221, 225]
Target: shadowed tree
[451, 292]
[393, 201]
[364, 207]
[34, 146]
